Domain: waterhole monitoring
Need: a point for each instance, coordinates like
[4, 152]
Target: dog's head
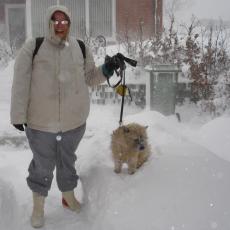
[135, 135]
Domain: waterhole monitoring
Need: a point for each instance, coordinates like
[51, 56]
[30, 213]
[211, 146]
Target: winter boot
[69, 201]
[37, 218]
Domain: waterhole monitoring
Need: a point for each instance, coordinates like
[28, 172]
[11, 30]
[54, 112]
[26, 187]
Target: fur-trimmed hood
[49, 28]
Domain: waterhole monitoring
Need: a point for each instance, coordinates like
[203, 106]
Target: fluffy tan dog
[129, 145]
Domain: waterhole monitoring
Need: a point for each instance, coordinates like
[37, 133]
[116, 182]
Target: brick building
[110, 18]
[134, 15]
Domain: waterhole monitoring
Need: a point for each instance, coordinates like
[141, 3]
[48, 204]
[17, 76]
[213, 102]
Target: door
[163, 93]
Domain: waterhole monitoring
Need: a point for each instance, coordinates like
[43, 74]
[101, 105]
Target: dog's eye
[126, 130]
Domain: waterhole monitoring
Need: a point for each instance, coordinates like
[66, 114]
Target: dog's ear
[125, 129]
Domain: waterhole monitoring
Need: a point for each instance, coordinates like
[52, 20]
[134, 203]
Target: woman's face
[61, 25]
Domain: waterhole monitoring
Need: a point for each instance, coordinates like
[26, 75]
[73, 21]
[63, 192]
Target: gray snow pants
[50, 150]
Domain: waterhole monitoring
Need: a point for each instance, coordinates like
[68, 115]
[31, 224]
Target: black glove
[20, 126]
[113, 63]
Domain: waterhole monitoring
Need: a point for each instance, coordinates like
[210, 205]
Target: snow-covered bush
[221, 98]
[203, 50]
[200, 50]
[5, 53]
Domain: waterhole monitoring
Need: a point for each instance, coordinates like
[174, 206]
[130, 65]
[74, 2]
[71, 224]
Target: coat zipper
[59, 90]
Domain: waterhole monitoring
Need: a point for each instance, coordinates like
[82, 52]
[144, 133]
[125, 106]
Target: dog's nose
[142, 147]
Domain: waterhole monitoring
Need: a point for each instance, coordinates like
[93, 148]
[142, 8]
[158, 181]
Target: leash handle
[119, 74]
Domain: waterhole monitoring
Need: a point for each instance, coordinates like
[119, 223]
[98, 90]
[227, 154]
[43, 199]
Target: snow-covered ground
[185, 185]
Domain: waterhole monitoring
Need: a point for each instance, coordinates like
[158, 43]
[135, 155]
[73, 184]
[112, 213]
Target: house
[110, 18]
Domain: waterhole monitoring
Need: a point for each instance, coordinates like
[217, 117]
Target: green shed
[162, 87]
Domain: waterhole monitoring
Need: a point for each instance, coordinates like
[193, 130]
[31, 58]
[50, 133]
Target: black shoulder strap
[82, 46]
[39, 41]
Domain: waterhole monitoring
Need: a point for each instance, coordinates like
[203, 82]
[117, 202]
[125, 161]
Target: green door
[163, 92]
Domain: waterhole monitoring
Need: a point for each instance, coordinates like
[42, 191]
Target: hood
[49, 29]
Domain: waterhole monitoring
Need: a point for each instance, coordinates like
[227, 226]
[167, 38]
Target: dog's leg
[142, 158]
[117, 165]
[132, 165]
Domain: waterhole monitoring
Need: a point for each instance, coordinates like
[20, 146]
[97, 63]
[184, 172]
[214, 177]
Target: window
[78, 16]
[38, 15]
[100, 17]
[15, 22]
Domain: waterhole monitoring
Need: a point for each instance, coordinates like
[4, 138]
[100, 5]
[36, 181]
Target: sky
[183, 186]
[214, 9]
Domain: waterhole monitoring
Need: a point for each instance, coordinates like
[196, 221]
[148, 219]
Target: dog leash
[124, 89]
[122, 96]
[121, 88]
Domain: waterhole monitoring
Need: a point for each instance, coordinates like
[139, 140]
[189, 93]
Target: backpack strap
[82, 46]
[39, 41]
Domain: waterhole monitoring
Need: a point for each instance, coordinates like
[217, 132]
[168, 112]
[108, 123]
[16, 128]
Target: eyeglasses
[63, 22]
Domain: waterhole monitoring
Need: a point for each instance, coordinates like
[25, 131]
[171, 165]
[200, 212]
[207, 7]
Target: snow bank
[6, 76]
[215, 136]
[182, 186]
[8, 206]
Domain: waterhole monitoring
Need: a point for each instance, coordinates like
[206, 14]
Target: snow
[185, 184]
[215, 136]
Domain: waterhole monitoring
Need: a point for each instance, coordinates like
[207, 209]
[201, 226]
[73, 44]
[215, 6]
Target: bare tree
[173, 7]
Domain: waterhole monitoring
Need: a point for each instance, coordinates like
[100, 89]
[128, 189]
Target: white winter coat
[51, 94]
